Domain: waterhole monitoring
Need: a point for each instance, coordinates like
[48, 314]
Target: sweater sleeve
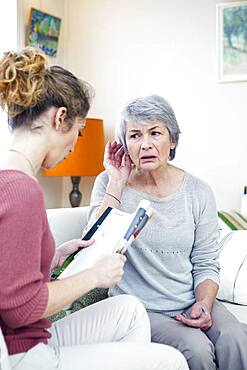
[23, 291]
[205, 252]
[97, 197]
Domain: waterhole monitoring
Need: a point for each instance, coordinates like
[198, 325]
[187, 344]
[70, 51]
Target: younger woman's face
[64, 143]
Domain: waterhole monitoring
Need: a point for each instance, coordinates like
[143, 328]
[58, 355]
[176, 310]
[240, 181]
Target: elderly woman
[172, 267]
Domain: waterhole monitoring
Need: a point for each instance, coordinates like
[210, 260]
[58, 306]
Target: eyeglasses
[82, 124]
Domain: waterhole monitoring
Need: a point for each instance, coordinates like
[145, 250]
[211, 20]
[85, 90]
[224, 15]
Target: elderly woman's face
[148, 144]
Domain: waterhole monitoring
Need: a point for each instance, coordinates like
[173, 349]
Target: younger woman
[46, 109]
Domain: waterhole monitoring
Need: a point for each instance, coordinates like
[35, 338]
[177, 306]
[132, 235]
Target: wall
[129, 48]
[52, 186]
[56, 189]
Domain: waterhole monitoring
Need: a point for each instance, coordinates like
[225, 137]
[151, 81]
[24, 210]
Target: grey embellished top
[175, 251]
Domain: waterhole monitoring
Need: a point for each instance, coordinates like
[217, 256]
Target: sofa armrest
[67, 223]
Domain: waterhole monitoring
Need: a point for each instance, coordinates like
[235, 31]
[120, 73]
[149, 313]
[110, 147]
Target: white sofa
[68, 223]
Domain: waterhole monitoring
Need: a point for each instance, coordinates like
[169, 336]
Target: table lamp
[86, 160]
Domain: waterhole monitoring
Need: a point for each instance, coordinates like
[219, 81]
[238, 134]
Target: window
[8, 41]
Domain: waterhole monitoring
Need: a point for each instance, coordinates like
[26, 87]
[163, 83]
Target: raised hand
[109, 270]
[117, 162]
[199, 317]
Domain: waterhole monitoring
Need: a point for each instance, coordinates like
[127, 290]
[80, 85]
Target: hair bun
[21, 80]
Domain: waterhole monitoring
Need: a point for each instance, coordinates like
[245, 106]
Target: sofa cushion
[239, 311]
[232, 220]
[67, 223]
[233, 266]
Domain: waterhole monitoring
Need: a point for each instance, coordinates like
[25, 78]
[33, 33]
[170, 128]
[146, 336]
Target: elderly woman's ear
[173, 145]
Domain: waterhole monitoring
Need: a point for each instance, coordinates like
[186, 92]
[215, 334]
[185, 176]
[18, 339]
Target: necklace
[27, 159]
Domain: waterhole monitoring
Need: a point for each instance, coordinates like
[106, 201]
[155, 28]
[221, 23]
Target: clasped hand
[199, 317]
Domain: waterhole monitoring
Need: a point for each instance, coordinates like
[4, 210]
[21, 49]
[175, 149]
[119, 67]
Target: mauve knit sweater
[26, 251]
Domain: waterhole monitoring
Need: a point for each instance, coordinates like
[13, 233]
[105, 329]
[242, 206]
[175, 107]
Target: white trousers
[4, 358]
[113, 334]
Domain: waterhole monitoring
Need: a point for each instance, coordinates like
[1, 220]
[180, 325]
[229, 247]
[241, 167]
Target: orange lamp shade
[87, 158]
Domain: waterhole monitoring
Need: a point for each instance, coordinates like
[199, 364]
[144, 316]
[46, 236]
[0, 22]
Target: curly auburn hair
[28, 87]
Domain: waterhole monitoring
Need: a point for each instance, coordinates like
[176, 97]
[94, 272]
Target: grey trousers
[223, 346]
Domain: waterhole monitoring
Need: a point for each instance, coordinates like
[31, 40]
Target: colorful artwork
[43, 31]
[232, 33]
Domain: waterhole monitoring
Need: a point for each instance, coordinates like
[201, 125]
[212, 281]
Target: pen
[135, 230]
[143, 222]
[135, 222]
[204, 311]
[143, 206]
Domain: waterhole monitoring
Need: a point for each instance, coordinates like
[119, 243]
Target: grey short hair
[149, 108]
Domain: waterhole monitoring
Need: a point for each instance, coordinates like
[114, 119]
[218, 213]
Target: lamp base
[75, 194]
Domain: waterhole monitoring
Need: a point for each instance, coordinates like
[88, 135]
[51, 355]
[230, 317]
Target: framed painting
[232, 41]
[43, 31]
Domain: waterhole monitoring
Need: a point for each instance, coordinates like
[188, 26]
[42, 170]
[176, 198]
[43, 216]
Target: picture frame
[43, 31]
[232, 41]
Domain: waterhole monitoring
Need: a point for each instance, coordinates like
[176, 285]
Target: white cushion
[233, 267]
[240, 311]
[67, 223]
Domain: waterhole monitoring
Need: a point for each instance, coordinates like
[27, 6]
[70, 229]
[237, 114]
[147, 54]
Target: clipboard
[56, 272]
[113, 232]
